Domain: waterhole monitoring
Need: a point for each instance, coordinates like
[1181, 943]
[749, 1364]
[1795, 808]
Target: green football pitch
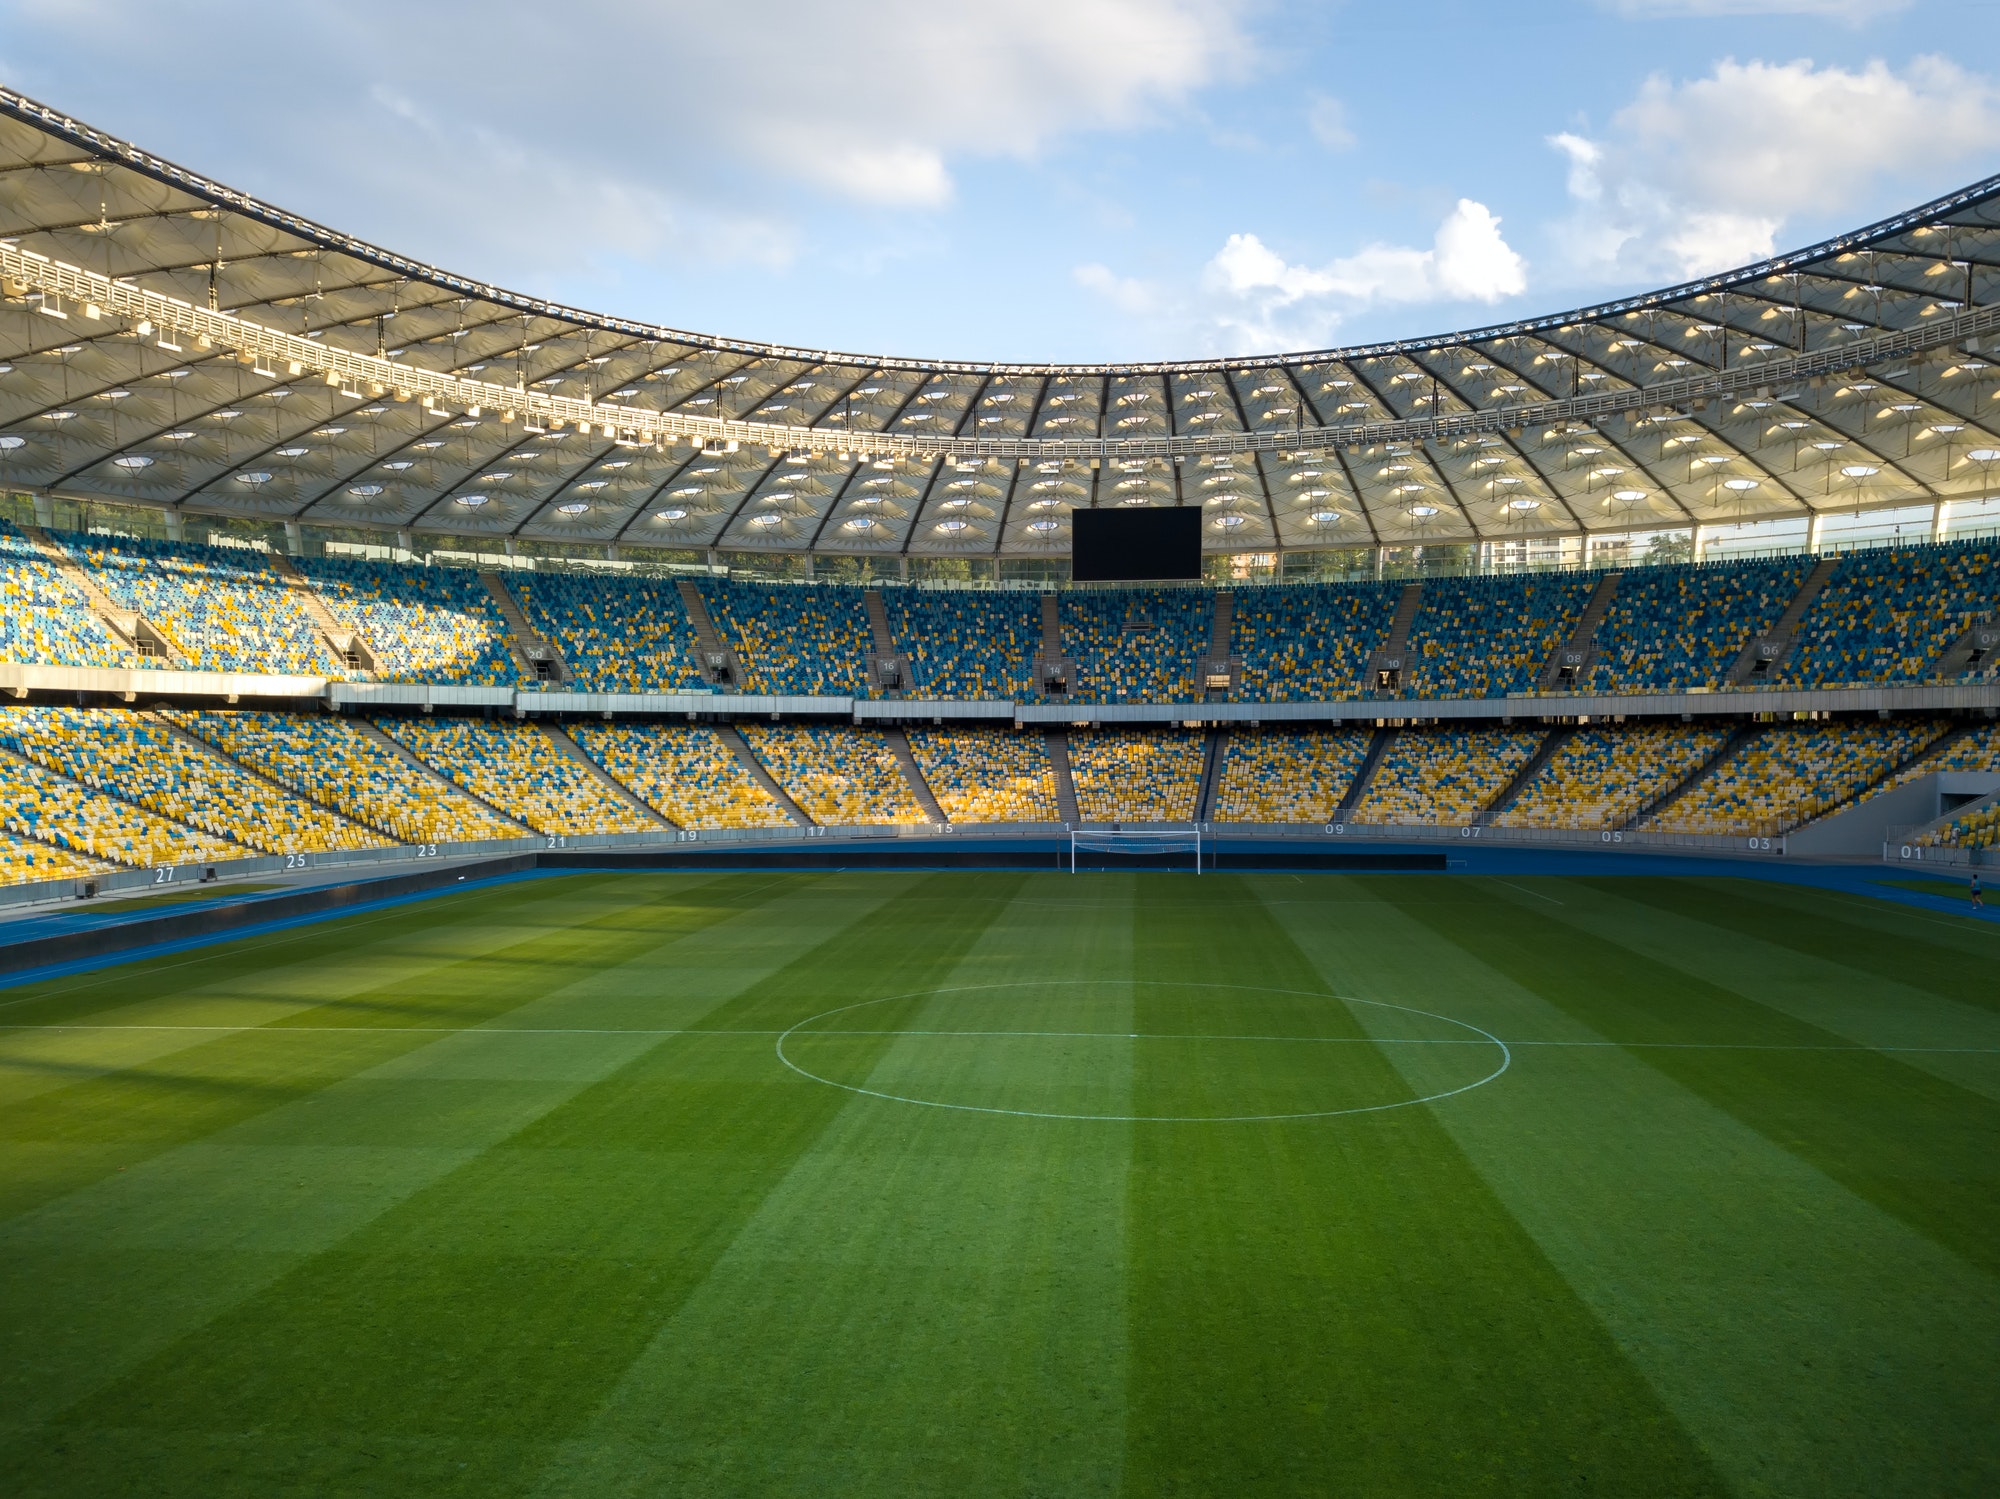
[1015, 1184]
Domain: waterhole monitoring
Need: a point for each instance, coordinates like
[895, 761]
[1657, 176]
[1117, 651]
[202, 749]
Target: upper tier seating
[338, 761]
[41, 804]
[615, 634]
[1285, 775]
[142, 759]
[1309, 642]
[515, 767]
[1792, 772]
[1136, 644]
[684, 772]
[988, 775]
[793, 640]
[841, 777]
[1443, 776]
[26, 862]
[423, 624]
[1487, 637]
[1886, 616]
[44, 619]
[964, 644]
[1672, 628]
[1124, 775]
[223, 608]
[1600, 778]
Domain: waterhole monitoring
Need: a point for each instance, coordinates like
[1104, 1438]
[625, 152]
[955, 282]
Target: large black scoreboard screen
[1136, 546]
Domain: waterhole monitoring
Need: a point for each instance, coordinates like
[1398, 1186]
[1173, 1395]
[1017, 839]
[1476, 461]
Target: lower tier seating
[144, 760]
[1601, 778]
[1124, 775]
[351, 767]
[26, 862]
[1444, 777]
[1278, 775]
[1790, 773]
[684, 772]
[517, 768]
[837, 774]
[137, 788]
[987, 775]
[66, 814]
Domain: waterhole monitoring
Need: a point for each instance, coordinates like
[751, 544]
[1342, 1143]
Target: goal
[1102, 848]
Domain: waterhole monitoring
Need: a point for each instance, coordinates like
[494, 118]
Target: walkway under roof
[166, 340]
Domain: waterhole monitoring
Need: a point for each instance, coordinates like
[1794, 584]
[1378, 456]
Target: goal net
[1178, 848]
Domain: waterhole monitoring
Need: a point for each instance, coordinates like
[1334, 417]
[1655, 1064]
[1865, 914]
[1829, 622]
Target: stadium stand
[987, 775]
[222, 608]
[965, 644]
[793, 639]
[338, 761]
[1792, 772]
[682, 772]
[1136, 644]
[23, 861]
[1123, 775]
[141, 759]
[515, 767]
[615, 634]
[1309, 642]
[1888, 615]
[1672, 628]
[1601, 777]
[422, 623]
[1487, 637]
[838, 775]
[44, 619]
[1278, 775]
[86, 821]
[1443, 777]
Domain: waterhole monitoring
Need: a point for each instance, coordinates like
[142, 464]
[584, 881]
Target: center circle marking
[799, 1029]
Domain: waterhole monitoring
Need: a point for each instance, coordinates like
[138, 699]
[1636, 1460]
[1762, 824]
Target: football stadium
[594, 909]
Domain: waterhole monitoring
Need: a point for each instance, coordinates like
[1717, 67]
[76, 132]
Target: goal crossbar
[1136, 842]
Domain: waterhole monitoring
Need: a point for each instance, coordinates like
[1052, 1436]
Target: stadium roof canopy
[166, 340]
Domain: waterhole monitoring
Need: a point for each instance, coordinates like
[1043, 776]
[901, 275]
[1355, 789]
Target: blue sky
[1051, 179]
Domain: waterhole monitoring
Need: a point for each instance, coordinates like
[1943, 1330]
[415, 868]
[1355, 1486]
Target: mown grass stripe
[1809, 1341]
[111, 1273]
[540, 1267]
[1942, 1036]
[1838, 929]
[1342, 1305]
[927, 1302]
[1916, 1146]
[109, 1121]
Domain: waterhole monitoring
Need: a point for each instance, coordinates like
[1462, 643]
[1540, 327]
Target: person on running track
[1978, 904]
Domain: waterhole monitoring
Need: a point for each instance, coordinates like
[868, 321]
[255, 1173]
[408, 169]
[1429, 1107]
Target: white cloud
[1126, 293]
[675, 127]
[1703, 175]
[1251, 300]
[1853, 12]
[1326, 118]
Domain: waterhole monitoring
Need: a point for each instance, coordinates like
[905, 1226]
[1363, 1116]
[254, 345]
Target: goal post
[1138, 843]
